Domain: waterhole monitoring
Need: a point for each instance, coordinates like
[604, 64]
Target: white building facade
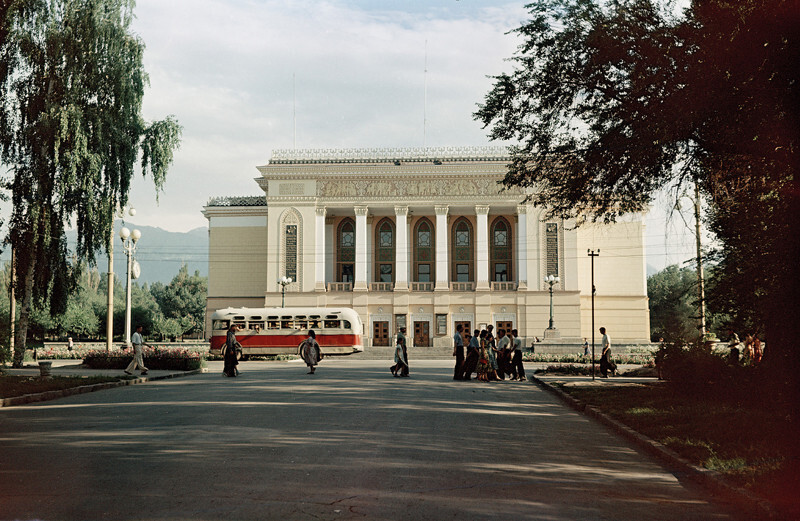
[422, 238]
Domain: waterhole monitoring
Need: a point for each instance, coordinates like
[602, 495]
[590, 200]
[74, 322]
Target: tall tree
[71, 129]
[183, 299]
[613, 100]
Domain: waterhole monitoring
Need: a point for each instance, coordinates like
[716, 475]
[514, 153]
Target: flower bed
[164, 358]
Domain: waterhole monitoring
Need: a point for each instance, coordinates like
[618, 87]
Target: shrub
[695, 365]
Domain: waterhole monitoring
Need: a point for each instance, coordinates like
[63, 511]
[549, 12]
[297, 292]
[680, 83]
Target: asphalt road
[350, 442]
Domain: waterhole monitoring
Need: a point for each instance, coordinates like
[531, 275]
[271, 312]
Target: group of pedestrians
[750, 352]
[310, 352]
[491, 359]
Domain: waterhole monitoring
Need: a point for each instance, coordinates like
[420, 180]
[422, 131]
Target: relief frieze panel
[412, 188]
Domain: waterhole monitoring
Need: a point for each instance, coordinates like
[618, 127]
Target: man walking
[606, 364]
[517, 371]
[458, 352]
[138, 360]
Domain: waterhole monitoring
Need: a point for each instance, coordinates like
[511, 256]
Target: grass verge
[741, 436]
[12, 386]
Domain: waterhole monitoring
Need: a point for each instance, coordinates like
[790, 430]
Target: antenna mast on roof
[294, 112]
[425, 98]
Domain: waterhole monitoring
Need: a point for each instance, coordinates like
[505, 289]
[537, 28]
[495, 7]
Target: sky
[245, 77]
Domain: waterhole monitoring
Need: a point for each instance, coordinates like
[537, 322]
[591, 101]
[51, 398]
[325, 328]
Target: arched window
[346, 250]
[463, 267]
[384, 251]
[424, 252]
[500, 250]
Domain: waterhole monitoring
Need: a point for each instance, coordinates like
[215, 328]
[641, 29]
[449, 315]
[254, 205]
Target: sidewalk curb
[53, 395]
[709, 479]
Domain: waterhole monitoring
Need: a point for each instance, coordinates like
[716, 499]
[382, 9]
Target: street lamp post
[550, 280]
[110, 309]
[284, 281]
[129, 239]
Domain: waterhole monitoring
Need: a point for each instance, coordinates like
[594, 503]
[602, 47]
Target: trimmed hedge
[154, 358]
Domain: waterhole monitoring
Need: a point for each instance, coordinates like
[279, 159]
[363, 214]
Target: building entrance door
[422, 334]
[465, 328]
[380, 333]
[505, 325]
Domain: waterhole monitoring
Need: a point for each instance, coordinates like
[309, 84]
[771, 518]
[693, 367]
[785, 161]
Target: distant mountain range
[160, 253]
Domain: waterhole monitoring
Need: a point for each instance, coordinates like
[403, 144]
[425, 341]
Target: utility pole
[592, 254]
[700, 278]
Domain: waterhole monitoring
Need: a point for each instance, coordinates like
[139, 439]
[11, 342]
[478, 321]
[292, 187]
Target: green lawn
[11, 386]
[744, 437]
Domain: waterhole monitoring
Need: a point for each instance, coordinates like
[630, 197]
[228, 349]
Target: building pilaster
[361, 249]
[482, 247]
[522, 247]
[401, 249]
[442, 283]
[319, 261]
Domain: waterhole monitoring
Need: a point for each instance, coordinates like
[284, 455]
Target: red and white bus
[279, 331]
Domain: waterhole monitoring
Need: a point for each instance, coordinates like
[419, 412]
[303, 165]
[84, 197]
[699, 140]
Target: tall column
[522, 247]
[401, 249]
[441, 249]
[482, 247]
[319, 261]
[361, 249]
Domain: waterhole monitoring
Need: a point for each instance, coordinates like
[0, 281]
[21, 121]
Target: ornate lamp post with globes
[120, 213]
[551, 331]
[129, 240]
[284, 281]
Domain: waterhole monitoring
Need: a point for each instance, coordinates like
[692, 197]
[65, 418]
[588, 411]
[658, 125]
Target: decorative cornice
[387, 155]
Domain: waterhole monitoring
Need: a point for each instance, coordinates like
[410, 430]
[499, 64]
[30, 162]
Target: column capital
[361, 211]
[441, 210]
[321, 211]
[482, 209]
[522, 209]
[401, 210]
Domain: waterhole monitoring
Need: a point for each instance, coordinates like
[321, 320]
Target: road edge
[709, 479]
[54, 395]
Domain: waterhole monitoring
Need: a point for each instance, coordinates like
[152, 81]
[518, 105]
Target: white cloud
[226, 68]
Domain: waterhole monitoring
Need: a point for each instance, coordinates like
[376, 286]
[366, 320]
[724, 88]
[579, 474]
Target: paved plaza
[350, 442]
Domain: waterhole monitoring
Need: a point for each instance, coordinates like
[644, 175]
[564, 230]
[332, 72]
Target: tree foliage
[673, 304]
[71, 88]
[611, 100]
[183, 300]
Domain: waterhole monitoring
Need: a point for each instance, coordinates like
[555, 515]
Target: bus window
[301, 324]
[332, 317]
[221, 325]
[347, 324]
[256, 326]
[255, 318]
[273, 324]
[314, 324]
[332, 324]
[287, 324]
[314, 317]
[241, 323]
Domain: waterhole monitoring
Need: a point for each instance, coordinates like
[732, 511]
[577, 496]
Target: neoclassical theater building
[423, 238]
